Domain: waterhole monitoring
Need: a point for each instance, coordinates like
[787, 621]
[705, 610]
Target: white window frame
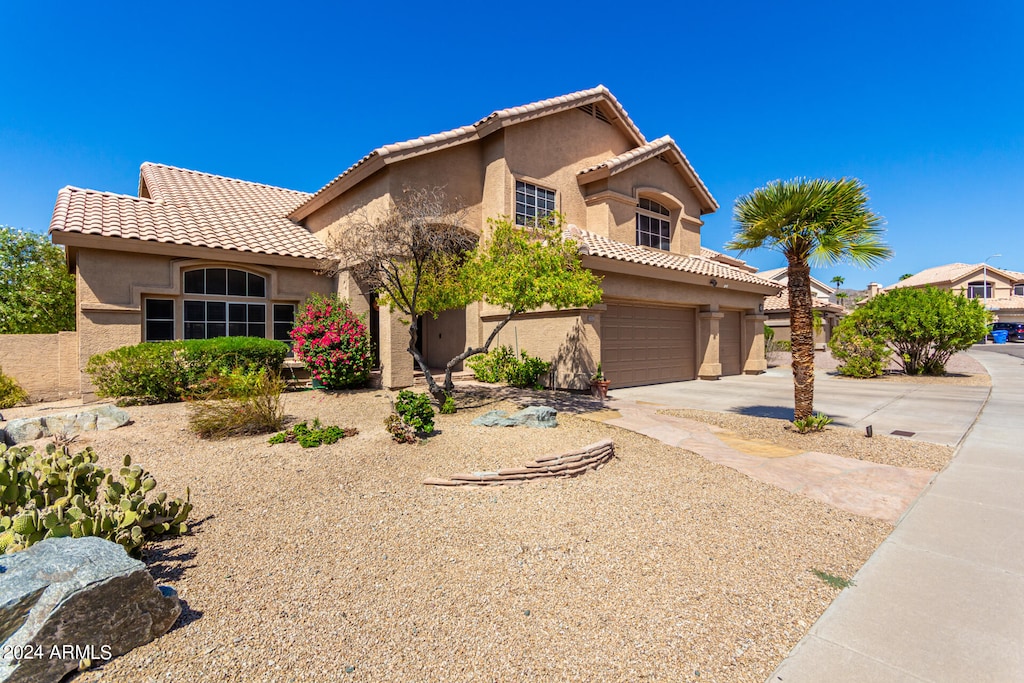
[979, 286]
[651, 215]
[528, 196]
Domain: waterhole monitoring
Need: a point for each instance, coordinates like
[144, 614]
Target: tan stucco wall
[569, 340]
[1001, 286]
[112, 286]
[45, 365]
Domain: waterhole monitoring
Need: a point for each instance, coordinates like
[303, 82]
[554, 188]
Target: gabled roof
[662, 146]
[380, 157]
[940, 275]
[597, 245]
[190, 208]
[782, 275]
[781, 303]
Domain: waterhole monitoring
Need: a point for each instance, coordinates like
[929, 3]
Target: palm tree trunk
[802, 337]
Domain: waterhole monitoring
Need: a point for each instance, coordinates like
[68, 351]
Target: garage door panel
[647, 345]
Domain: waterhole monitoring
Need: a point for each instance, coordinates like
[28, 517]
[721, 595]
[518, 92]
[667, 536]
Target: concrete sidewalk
[942, 599]
[933, 412]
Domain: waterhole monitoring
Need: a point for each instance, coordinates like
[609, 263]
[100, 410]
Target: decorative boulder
[64, 600]
[531, 416]
[100, 417]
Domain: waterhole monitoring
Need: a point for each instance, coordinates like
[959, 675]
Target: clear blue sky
[923, 101]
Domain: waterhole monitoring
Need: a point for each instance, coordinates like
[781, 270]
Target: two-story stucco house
[1001, 290]
[198, 255]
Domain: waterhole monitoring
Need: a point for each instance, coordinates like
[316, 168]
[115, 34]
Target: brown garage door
[729, 343]
[647, 345]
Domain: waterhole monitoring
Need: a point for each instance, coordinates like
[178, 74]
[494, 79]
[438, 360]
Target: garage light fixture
[714, 282]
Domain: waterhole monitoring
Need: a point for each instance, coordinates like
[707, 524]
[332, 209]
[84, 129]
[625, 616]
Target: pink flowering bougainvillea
[332, 341]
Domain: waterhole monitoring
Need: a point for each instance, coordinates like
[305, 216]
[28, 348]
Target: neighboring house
[1001, 290]
[198, 255]
[777, 307]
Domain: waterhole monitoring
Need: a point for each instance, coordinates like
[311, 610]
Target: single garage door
[729, 343]
[647, 345]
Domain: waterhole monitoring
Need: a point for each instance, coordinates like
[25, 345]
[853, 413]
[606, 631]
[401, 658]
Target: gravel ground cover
[849, 443]
[961, 369]
[336, 563]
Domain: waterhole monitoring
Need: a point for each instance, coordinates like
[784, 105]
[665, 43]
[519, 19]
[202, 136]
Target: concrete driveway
[932, 412]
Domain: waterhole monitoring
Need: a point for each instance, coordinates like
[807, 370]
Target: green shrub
[228, 411]
[311, 436]
[812, 423]
[492, 367]
[858, 354]
[415, 411]
[448, 407]
[785, 345]
[11, 393]
[501, 365]
[56, 494]
[163, 372]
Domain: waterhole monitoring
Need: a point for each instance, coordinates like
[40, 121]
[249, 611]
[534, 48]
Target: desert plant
[399, 430]
[313, 435]
[163, 372]
[772, 348]
[333, 342]
[448, 407]
[493, 367]
[55, 494]
[225, 412]
[415, 411]
[833, 580]
[11, 393]
[812, 423]
[859, 355]
[501, 365]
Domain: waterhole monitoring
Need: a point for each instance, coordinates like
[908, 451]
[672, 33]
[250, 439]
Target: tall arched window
[653, 228]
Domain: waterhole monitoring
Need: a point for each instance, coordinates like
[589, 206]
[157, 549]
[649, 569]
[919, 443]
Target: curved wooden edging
[568, 464]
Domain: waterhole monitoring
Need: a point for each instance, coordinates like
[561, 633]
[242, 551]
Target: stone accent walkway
[864, 488]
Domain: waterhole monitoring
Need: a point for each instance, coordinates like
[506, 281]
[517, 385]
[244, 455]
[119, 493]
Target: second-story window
[653, 228]
[1018, 290]
[532, 203]
[979, 290]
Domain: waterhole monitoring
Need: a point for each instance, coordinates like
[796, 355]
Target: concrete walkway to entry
[942, 599]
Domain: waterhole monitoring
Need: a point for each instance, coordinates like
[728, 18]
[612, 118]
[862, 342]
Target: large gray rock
[67, 599]
[531, 416]
[100, 417]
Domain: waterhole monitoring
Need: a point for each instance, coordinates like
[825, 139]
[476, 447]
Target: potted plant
[598, 384]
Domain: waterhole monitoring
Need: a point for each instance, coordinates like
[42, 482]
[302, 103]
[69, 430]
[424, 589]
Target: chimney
[873, 289]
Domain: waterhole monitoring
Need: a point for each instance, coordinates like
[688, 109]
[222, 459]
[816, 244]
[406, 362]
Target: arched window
[653, 228]
[219, 302]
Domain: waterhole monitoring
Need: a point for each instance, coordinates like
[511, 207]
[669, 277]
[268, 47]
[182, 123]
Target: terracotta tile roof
[190, 208]
[781, 303]
[597, 245]
[638, 155]
[726, 259]
[950, 272]
[1004, 303]
[475, 131]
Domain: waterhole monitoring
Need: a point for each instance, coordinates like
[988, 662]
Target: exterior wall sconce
[714, 282]
[760, 308]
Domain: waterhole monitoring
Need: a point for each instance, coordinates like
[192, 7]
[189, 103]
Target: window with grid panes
[653, 228]
[159, 315]
[532, 203]
[214, 316]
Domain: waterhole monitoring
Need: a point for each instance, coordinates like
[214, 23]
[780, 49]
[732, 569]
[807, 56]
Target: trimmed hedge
[163, 372]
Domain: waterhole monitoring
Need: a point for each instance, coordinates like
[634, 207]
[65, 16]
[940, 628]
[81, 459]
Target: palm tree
[809, 220]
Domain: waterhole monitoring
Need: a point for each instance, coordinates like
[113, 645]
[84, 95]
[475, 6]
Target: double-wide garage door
[648, 345]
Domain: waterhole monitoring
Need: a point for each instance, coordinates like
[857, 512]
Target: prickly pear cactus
[56, 494]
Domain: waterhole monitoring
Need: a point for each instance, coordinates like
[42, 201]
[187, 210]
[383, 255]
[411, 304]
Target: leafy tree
[925, 327]
[905, 276]
[422, 260]
[808, 220]
[37, 293]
